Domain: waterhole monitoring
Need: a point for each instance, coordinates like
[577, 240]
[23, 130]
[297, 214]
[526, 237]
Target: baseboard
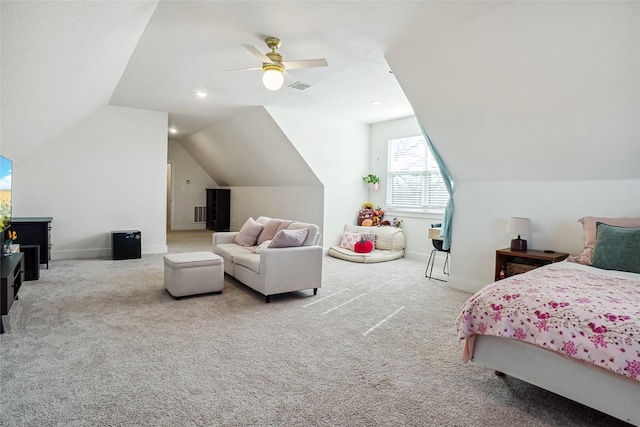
[157, 249]
[465, 285]
[417, 256]
[189, 227]
[102, 252]
[80, 253]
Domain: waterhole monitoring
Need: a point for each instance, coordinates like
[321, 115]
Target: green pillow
[616, 248]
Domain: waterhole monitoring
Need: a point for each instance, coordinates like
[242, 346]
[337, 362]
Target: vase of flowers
[9, 246]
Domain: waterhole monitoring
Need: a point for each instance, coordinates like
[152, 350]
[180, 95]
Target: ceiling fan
[274, 67]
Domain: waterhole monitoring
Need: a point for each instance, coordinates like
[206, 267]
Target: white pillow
[249, 233]
[349, 240]
[262, 245]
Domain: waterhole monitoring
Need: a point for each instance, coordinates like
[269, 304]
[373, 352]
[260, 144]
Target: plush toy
[366, 213]
[367, 223]
[363, 246]
[396, 222]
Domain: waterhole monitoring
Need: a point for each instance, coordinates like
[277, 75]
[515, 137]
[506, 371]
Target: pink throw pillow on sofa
[289, 238]
[249, 233]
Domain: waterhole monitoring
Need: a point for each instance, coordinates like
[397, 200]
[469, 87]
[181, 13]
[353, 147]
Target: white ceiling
[188, 46]
[63, 60]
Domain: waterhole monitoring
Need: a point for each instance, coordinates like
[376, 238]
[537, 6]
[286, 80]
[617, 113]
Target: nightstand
[517, 262]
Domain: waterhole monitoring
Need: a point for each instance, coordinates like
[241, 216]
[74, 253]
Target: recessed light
[201, 94]
[376, 102]
[173, 130]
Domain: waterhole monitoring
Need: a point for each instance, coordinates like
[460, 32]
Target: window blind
[413, 176]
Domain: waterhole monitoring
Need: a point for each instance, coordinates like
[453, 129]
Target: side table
[516, 262]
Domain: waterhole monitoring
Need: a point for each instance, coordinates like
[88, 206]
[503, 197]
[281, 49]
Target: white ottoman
[193, 273]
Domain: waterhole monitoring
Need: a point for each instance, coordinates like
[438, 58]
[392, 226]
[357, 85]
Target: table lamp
[519, 226]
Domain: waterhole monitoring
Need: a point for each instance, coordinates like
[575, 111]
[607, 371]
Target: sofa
[388, 242]
[254, 259]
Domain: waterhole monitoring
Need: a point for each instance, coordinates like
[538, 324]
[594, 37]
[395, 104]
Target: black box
[126, 244]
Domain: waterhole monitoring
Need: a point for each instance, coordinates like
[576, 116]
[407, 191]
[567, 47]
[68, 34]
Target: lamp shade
[272, 79]
[519, 226]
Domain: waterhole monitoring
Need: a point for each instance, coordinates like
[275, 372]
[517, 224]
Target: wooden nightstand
[516, 262]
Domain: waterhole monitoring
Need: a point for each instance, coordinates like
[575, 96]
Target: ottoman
[193, 273]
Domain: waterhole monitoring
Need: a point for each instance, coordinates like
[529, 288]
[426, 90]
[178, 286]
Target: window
[414, 182]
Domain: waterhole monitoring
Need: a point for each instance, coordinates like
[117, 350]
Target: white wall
[189, 183]
[415, 225]
[302, 204]
[483, 210]
[535, 109]
[106, 173]
[338, 153]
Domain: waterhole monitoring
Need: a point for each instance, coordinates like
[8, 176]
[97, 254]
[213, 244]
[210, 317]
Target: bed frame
[589, 385]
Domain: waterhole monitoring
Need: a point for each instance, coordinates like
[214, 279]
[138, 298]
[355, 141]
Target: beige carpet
[101, 343]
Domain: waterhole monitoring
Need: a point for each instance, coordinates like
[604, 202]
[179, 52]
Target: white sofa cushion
[251, 261]
[229, 251]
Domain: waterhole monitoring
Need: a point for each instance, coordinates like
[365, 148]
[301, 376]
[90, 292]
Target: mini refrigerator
[126, 244]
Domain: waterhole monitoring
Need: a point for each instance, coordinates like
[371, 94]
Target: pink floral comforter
[579, 313]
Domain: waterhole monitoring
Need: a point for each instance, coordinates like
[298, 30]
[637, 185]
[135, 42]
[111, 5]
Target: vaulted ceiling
[508, 90]
[62, 60]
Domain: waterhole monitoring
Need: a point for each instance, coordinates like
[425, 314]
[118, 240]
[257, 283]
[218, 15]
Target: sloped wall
[535, 109]
[249, 150]
[60, 63]
[338, 152]
[267, 176]
[287, 164]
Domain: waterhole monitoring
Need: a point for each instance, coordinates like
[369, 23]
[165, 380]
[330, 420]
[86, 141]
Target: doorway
[169, 214]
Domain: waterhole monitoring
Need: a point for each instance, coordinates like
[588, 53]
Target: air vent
[199, 214]
[300, 86]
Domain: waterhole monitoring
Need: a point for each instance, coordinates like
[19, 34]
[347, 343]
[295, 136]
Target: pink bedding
[579, 313]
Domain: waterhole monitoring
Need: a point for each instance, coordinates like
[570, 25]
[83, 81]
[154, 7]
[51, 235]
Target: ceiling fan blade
[261, 56]
[305, 63]
[244, 69]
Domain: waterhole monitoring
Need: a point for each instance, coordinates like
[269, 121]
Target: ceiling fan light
[272, 79]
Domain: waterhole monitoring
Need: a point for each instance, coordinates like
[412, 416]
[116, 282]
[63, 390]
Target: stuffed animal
[364, 215]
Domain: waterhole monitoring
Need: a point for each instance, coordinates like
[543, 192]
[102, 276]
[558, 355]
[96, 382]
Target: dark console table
[34, 231]
[11, 277]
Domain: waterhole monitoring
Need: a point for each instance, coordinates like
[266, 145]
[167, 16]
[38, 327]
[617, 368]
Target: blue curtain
[445, 232]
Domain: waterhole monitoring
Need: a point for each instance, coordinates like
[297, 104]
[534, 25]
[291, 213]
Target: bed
[567, 327]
